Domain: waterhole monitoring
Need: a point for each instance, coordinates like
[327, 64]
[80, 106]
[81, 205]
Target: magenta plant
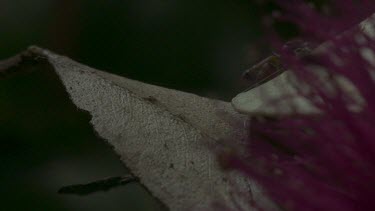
[322, 161]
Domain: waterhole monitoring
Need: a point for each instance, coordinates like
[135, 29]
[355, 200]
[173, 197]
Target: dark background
[46, 143]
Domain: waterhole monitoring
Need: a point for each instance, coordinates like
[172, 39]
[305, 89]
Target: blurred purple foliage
[324, 161]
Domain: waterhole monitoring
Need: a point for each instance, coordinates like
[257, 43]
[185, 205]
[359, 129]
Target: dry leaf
[165, 137]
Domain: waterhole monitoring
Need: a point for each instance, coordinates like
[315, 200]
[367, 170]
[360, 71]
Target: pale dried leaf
[165, 137]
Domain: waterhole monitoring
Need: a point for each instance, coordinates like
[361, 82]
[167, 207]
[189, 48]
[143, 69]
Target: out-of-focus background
[46, 142]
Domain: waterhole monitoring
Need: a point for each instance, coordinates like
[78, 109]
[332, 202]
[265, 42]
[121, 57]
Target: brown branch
[7, 66]
[22, 62]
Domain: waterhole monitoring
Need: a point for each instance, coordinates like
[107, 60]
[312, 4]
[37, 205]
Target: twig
[272, 66]
[20, 62]
[100, 185]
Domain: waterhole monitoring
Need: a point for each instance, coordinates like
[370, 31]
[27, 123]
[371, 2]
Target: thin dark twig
[100, 185]
[272, 66]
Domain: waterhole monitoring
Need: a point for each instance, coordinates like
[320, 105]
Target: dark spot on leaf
[150, 99]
